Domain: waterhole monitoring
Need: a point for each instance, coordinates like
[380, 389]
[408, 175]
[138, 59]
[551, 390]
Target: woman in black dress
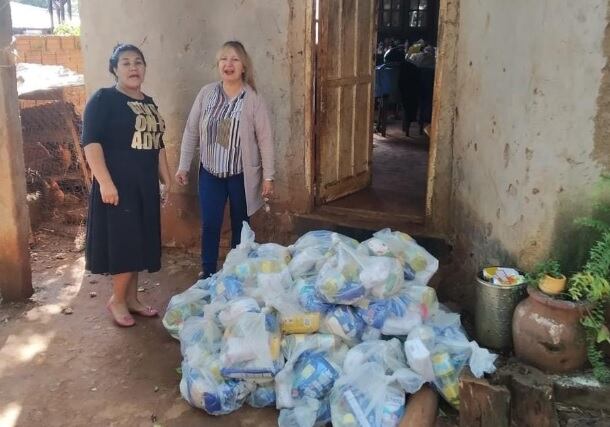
[123, 140]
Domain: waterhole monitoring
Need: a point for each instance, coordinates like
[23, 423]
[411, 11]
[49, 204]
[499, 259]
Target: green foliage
[591, 284]
[66, 29]
[549, 267]
[599, 256]
[596, 358]
[588, 286]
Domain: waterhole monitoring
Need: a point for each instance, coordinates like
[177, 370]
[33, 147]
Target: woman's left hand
[268, 189]
[165, 190]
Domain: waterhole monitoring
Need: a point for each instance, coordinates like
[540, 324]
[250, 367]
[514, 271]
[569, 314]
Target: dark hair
[113, 62]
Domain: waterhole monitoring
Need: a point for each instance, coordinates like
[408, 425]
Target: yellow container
[551, 285]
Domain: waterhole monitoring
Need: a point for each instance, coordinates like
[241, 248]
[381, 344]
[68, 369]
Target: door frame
[446, 40]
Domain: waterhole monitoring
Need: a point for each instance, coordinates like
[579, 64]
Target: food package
[367, 397]
[251, 347]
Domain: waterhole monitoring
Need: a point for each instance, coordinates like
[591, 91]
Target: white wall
[528, 80]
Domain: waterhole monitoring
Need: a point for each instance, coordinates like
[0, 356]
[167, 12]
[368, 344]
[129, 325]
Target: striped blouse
[220, 131]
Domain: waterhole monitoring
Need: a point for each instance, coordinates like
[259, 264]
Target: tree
[59, 7]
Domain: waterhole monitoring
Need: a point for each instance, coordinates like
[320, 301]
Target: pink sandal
[125, 322]
[147, 312]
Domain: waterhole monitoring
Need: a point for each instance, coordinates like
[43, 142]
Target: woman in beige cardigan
[230, 123]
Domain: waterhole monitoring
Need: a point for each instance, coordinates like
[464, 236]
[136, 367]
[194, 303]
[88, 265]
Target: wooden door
[344, 96]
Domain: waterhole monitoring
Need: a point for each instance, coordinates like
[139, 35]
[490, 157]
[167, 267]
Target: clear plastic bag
[313, 375]
[323, 240]
[294, 319]
[382, 276]
[251, 347]
[419, 358]
[256, 271]
[367, 397]
[307, 262]
[263, 396]
[199, 335]
[332, 345]
[270, 284]
[424, 333]
[203, 387]
[481, 360]
[453, 340]
[388, 354]
[235, 308]
[182, 306]
[418, 264]
[308, 297]
[226, 287]
[446, 378]
[295, 372]
[338, 281]
[394, 316]
[346, 323]
[425, 299]
[439, 351]
[241, 253]
[304, 414]
[272, 251]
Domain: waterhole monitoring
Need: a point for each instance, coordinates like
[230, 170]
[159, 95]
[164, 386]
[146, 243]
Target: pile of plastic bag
[325, 330]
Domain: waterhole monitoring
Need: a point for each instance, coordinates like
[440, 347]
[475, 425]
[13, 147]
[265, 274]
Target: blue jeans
[213, 193]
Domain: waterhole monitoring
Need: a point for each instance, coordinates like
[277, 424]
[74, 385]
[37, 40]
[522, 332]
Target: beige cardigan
[256, 142]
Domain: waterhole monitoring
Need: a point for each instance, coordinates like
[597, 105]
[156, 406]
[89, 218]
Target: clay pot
[547, 333]
[552, 285]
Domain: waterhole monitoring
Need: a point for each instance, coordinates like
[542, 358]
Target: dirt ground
[78, 369]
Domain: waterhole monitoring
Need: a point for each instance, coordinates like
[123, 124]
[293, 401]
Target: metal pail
[494, 309]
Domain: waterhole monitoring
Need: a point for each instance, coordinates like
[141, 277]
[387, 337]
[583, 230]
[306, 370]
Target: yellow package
[270, 266]
[274, 346]
[300, 323]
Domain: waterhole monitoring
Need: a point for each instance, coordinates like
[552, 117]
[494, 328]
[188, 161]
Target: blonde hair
[248, 74]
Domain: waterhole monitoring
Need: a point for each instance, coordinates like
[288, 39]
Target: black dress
[126, 237]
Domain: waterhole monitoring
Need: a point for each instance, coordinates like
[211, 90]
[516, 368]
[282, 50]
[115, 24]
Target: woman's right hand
[182, 177]
[109, 193]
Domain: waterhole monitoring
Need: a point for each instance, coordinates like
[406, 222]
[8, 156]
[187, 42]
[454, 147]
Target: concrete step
[362, 228]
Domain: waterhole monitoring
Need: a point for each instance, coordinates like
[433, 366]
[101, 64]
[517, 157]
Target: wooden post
[15, 272]
[483, 404]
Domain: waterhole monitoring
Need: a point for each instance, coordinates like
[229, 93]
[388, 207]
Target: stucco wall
[528, 80]
[180, 40]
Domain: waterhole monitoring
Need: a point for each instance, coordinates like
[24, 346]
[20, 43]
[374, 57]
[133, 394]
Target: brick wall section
[50, 50]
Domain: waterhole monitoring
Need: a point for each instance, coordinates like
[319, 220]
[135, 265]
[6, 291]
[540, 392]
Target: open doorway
[371, 142]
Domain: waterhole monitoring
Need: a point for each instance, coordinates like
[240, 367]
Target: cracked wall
[530, 136]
